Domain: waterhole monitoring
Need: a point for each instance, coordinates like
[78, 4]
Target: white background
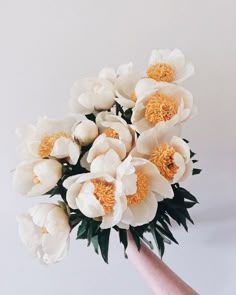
[44, 47]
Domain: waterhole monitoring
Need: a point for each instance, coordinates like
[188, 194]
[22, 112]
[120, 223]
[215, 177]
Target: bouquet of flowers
[115, 161]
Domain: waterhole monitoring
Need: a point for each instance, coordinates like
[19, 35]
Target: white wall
[44, 47]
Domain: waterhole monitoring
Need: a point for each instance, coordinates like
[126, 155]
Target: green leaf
[166, 218]
[196, 171]
[103, 240]
[82, 230]
[123, 237]
[194, 161]
[187, 195]
[91, 117]
[178, 217]
[74, 220]
[186, 214]
[136, 238]
[94, 241]
[92, 229]
[189, 204]
[192, 154]
[158, 240]
[166, 233]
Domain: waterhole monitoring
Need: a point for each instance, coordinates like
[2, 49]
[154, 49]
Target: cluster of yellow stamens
[110, 132]
[104, 192]
[163, 158]
[160, 107]
[44, 230]
[36, 179]
[133, 96]
[161, 72]
[142, 189]
[47, 143]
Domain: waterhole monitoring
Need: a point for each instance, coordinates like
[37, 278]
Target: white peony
[103, 144]
[116, 127]
[52, 138]
[125, 89]
[45, 231]
[166, 150]
[111, 74]
[96, 195]
[92, 94]
[124, 80]
[85, 132]
[144, 187]
[169, 66]
[106, 163]
[36, 177]
[160, 102]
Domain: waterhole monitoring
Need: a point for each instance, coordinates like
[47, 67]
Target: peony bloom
[169, 66]
[124, 80]
[85, 132]
[45, 230]
[166, 150]
[116, 127]
[106, 163]
[144, 186]
[125, 89]
[112, 75]
[96, 195]
[92, 94]
[160, 102]
[103, 143]
[37, 177]
[52, 138]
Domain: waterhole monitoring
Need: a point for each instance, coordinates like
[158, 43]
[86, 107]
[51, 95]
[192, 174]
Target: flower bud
[85, 132]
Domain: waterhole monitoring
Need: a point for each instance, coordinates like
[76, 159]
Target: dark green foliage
[91, 117]
[103, 241]
[196, 171]
[123, 237]
[136, 237]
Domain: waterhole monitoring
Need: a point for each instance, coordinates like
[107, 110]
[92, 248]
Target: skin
[159, 277]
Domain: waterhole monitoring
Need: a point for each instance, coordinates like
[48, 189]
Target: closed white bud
[85, 132]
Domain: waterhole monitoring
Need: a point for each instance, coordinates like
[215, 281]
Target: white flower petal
[106, 163]
[108, 74]
[181, 147]
[188, 171]
[88, 203]
[179, 161]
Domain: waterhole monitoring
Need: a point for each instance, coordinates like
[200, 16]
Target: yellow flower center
[111, 133]
[160, 107]
[161, 72]
[36, 179]
[104, 192]
[44, 230]
[142, 189]
[47, 143]
[133, 96]
[163, 158]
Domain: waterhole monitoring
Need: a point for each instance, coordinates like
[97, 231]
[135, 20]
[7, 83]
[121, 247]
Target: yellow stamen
[44, 230]
[111, 133]
[142, 189]
[47, 143]
[133, 96]
[161, 72]
[160, 107]
[104, 192]
[163, 158]
[36, 179]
